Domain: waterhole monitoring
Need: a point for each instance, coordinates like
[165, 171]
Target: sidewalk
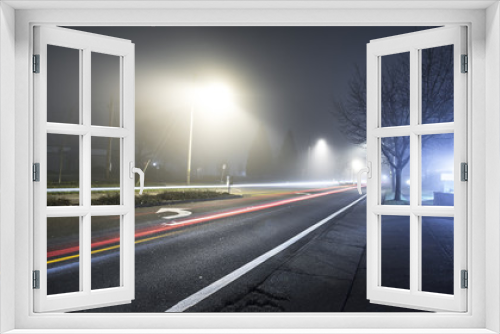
[328, 273]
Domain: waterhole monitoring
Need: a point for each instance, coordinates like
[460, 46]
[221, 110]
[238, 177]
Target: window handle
[141, 175]
[368, 171]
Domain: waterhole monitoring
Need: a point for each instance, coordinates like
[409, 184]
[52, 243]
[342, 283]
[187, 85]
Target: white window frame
[85, 44]
[483, 21]
[413, 43]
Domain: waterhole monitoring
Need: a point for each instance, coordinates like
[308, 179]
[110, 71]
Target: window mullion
[81, 177]
[415, 250]
[85, 248]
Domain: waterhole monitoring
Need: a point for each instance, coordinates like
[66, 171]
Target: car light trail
[174, 225]
[212, 186]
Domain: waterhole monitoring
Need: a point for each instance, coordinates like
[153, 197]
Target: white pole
[190, 145]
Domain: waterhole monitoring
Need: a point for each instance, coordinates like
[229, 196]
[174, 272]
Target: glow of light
[384, 177]
[321, 147]
[154, 164]
[215, 97]
[446, 176]
[356, 164]
[408, 182]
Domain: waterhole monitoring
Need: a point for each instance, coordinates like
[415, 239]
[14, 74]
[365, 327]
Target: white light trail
[243, 185]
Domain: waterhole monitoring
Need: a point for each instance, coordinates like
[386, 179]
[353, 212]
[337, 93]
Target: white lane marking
[179, 213]
[302, 194]
[217, 285]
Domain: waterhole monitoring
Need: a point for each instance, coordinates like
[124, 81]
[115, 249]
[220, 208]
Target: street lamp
[190, 143]
[215, 96]
[316, 156]
[224, 166]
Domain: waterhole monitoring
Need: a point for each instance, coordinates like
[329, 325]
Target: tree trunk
[397, 190]
[393, 177]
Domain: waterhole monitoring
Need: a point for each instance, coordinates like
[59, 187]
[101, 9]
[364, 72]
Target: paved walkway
[328, 274]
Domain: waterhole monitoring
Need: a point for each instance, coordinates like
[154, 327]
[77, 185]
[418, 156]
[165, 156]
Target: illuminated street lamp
[213, 97]
[316, 154]
[321, 147]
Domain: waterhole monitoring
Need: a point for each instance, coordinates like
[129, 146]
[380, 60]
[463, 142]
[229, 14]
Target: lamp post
[190, 149]
[215, 95]
[224, 166]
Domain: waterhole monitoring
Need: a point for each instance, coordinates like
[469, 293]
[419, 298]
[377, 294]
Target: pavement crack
[256, 300]
[349, 290]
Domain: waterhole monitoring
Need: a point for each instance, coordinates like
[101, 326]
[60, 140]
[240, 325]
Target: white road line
[217, 285]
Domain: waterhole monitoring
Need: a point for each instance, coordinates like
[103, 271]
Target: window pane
[63, 85]
[63, 250]
[437, 84]
[105, 90]
[395, 84]
[395, 169]
[105, 252]
[63, 170]
[437, 254]
[437, 170]
[396, 252]
[105, 171]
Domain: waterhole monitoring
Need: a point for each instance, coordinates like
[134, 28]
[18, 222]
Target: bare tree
[436, 103]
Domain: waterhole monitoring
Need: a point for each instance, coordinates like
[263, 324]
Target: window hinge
[464, 171]
[465, 279]
[465, 63]
[36, 172]
[36, 63]
[36, 279]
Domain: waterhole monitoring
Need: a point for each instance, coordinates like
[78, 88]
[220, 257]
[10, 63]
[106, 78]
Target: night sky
[282, 78]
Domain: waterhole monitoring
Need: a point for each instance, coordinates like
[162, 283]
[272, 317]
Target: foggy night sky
[282, 77]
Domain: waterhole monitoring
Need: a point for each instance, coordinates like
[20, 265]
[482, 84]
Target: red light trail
[187, 222]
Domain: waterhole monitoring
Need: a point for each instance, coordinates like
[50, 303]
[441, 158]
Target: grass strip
[146, 199]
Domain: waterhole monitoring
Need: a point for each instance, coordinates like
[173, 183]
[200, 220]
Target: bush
[57, 201]
[108, 199]
[144, 199]
[168, 196]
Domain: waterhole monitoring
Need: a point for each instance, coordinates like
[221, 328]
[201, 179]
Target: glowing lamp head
[215, 97]
[321, 146]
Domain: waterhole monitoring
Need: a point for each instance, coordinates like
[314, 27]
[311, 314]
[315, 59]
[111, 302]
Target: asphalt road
[177, 257]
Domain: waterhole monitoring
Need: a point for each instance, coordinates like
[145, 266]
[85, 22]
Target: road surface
[184, 248]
